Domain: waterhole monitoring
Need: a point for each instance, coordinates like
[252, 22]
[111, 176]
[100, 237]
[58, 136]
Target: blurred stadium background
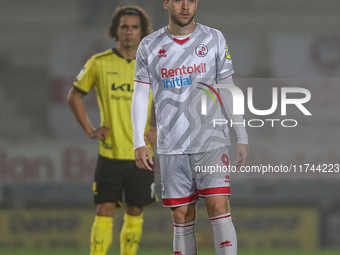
[47, 163]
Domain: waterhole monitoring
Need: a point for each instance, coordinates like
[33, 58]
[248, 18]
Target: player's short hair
[146, 23]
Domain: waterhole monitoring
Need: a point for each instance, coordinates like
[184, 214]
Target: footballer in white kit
[180, 71]
[183, 62]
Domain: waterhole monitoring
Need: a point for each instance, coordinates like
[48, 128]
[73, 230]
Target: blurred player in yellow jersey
[111, 73]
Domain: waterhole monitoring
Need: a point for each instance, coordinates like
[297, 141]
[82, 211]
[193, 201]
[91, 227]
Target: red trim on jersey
[181, 41]
[142, 82]
[226, 77]
[222, 217]
[184, 226]
[179, 201]
[214, 191]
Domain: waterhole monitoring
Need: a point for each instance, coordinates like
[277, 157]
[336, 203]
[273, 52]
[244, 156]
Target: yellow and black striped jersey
[112, 76]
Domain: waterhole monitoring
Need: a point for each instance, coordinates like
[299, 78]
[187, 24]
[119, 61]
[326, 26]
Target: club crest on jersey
[161, 53]
[201, 50]
[227, 54]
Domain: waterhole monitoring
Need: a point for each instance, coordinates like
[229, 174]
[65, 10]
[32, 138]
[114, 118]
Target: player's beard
[178, 22]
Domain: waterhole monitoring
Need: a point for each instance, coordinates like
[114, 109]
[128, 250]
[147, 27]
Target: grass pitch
[165, 251]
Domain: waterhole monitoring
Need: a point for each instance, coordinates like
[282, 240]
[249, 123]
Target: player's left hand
[242, 151]
[151, 137]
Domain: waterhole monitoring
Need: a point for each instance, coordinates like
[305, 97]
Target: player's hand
[151, 136]
[141, 155]
[100, 132]
[243, 152]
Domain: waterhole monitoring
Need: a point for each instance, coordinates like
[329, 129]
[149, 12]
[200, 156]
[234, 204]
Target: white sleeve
[139, 112]
[227, 102]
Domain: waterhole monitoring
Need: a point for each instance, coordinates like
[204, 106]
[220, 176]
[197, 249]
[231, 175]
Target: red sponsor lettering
[178, 71]
[171, 72]
[164, 72]
[183, 70]
[197, 69]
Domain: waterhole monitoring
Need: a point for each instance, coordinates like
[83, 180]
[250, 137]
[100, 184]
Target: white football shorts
[186, 177]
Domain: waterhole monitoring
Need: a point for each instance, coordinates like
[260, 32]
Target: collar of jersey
[120, 55]
[184, 40]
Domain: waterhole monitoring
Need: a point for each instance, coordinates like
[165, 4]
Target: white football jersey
[181, 73]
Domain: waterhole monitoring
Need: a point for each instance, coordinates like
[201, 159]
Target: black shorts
[113, 177]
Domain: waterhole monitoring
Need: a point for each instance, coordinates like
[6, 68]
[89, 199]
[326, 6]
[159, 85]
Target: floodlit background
[47, 162]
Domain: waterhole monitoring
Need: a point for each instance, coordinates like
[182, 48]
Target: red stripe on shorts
[214, 191]
[179, 201]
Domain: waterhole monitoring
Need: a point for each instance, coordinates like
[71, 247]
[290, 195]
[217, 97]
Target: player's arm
[242, 150]
[74, 99]
[139, 114]
[151, 135]
[224, 72]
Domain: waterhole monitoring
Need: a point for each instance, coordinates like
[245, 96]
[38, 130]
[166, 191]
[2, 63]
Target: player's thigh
[139, 185]
[177, 180]
[212, 172]
[108, 181]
